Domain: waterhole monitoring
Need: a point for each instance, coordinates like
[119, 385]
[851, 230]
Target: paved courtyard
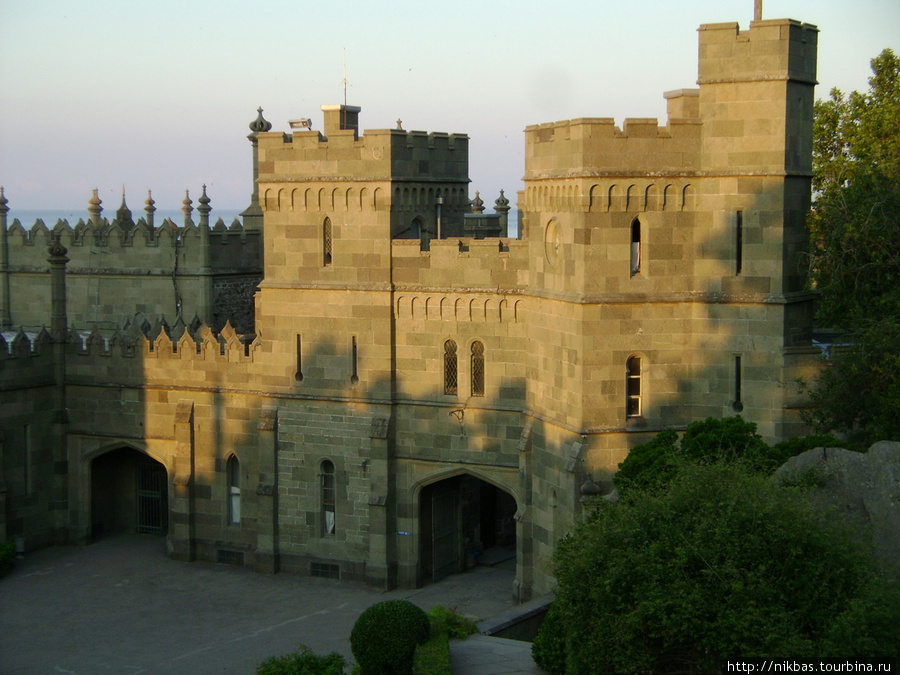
[120, 606]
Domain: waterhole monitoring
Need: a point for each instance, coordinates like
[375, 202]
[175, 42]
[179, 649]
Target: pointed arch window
[635, 247]
[233, 471]
[477, 368]
[450, 368]
[326, 242]
[633, 387]
[328, 498]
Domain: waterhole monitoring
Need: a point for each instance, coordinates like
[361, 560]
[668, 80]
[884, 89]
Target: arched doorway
[464, 521]
[129, 493]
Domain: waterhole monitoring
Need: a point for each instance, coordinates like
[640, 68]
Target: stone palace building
[367, 379]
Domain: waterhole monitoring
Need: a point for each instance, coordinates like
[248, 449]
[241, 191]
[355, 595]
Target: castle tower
[665, 259]
[332, 203]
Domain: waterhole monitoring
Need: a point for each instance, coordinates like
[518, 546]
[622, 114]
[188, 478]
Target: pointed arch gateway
[129, 493]
[464, 521]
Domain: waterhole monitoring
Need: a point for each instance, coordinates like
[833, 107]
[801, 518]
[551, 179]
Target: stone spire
[501, 206]
[477, 203]
[149, 209]
[253, 214]
[204, 209]
[95, 208]
[187, 209]
[5, 317]
[123, 215]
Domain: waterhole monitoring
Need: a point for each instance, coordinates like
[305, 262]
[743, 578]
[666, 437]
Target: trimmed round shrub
[385, 636]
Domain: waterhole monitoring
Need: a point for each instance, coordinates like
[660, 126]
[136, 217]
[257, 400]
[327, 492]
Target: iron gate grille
[152, 498]
[445, 546]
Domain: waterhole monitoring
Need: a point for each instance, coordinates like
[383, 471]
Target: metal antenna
[345, 76]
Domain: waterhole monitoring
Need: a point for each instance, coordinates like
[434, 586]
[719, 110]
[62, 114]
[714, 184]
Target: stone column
[253, 214]
[381, 566]
[5, 307]
[524, 581]
[501, 206]
[267, 544]
[181, 540]
[206, 274]
[59, 502]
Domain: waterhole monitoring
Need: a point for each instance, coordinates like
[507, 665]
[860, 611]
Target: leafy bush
[433, 657]
[549, 647]
[302, 662]
[730, 440]
[7, 555]
[722, 563]
[457, 626]
[385, 636]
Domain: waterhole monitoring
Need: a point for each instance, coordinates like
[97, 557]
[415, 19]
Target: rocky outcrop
[862, 487]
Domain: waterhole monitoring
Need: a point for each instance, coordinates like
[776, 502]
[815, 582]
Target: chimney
[341, 117]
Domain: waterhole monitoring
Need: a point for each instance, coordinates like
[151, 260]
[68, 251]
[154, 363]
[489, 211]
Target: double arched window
[451, 368]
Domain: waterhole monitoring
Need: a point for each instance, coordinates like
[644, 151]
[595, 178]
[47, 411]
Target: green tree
[730, 439]
[855, 254]
[723, 563]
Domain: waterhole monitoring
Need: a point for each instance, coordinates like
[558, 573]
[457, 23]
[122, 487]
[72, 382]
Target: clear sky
[158, 95]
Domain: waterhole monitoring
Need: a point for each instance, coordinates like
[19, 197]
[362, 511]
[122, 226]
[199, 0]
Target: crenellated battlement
[463, 263]
[776, 49]
[640, 146]
[137, 339]
[341, 153]
[124, 247]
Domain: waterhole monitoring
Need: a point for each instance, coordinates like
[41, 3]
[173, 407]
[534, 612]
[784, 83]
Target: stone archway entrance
[464, 521]
[129, 493]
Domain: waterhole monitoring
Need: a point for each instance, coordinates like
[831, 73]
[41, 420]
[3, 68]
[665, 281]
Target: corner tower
[665, 275]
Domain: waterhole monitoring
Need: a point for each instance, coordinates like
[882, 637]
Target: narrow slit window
[233, 471]
[635, 247]
[477, 368]
[328, 495]
[633, 388]
[450, 368]
[738, 404]
[299, 374]
[326, 242]
[354, 360]
[738, 242]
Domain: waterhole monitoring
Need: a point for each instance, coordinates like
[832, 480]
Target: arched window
[326, 242]
[477, 369]
[635, 247]
[450, 368]
[633, 390]
[328, 494]
[233, 471]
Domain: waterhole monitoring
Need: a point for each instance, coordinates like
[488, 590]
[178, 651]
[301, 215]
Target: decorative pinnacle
[150, 203]
[57, 250]
[3, 202]
[477, 203]
[260, 124]
[501, 203]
